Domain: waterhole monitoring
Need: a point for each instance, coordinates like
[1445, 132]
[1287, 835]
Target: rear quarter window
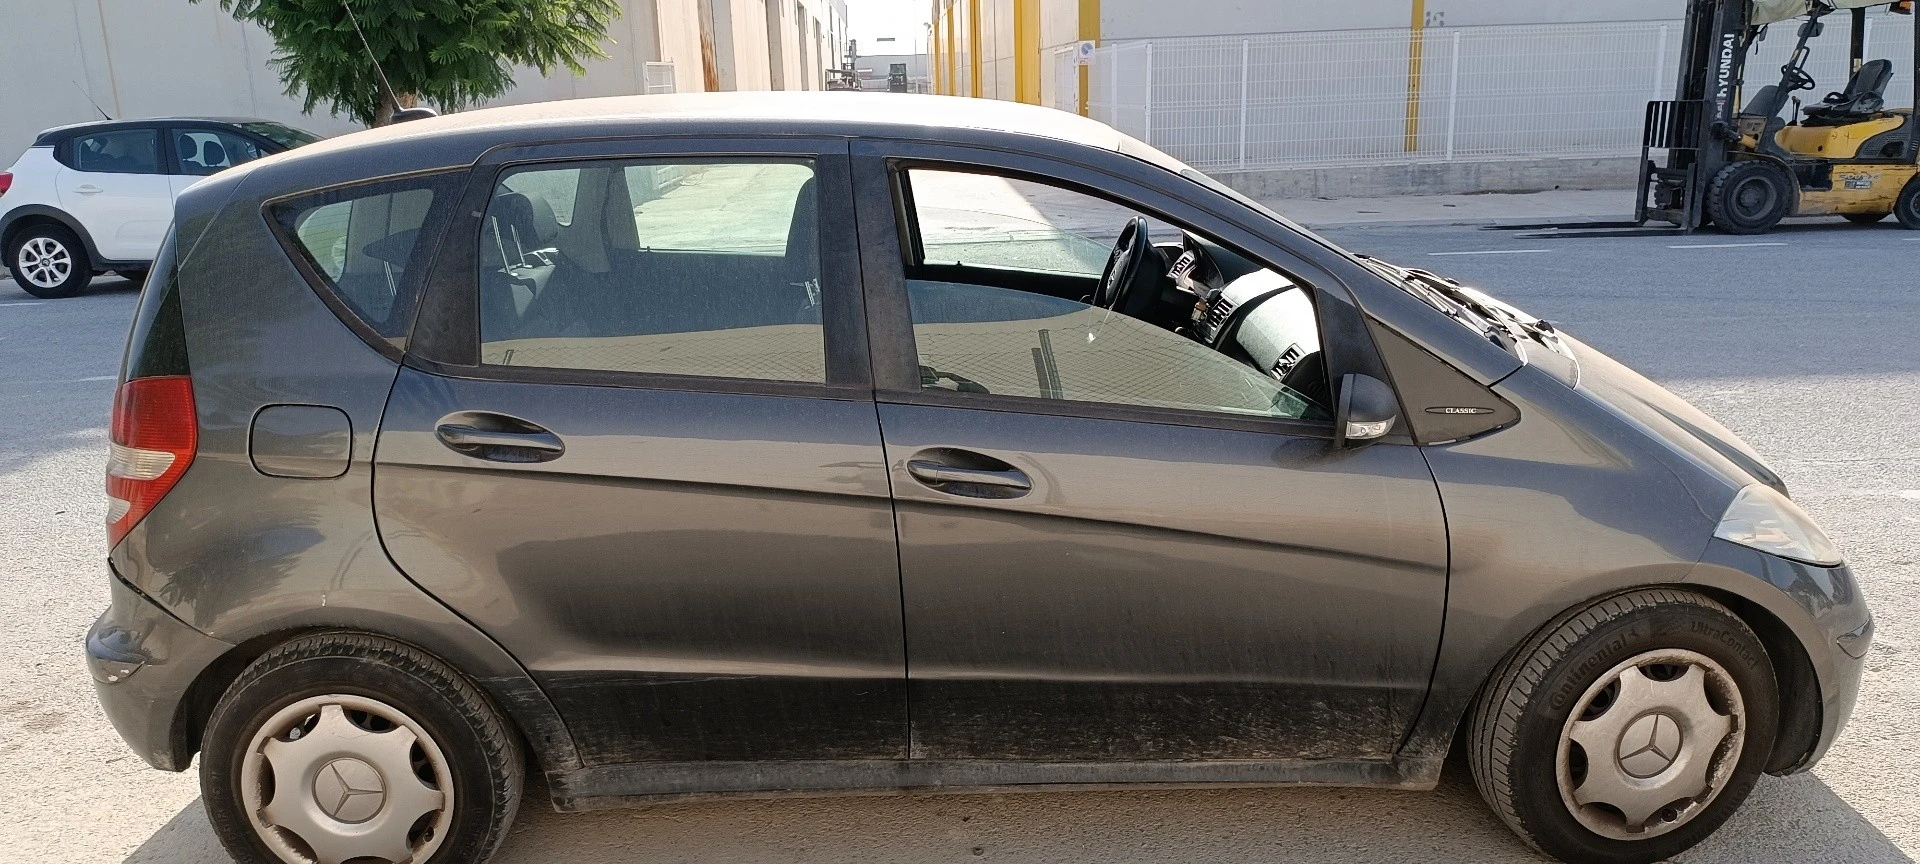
[364, 248]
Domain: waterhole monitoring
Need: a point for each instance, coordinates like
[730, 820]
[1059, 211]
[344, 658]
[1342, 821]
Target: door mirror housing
[1368, 410]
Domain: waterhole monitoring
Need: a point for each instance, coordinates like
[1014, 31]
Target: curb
[1456, 222]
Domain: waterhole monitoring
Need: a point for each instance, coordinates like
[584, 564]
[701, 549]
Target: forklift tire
[1907, 207]
[1864, 218]
[1750, 197]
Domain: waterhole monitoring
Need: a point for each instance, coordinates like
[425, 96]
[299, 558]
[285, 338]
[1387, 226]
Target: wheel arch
[512, 690]
[1797, 683]
[28, 215]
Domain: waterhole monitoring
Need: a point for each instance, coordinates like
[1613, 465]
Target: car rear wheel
[1626, 731]
[49, 262]
[1750, 197]
[344, 747]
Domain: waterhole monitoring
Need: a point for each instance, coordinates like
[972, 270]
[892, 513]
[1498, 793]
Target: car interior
[1172, 319]
[618, 266]
[596, 291]
[134, 151]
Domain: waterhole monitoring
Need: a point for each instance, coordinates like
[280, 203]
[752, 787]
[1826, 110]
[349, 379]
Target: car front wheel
[343, 747]
[49, 262]
[1626, 731]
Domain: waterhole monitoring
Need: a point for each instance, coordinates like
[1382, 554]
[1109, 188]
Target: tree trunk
[383, 114]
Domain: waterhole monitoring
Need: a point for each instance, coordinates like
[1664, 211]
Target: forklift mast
[1696, 127]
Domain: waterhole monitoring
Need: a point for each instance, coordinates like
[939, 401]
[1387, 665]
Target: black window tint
[206, 151]
[363, 245]
[283, 135]
[157, 345]
[699, 267]
[123, 151]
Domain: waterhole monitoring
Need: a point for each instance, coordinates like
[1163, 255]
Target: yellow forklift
[1743, 169]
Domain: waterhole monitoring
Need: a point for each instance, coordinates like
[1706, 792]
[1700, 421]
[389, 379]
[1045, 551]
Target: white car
[98, 197]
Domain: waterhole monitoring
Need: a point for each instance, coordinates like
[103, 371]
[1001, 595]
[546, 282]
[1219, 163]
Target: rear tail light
[154, 437]
[6, 181]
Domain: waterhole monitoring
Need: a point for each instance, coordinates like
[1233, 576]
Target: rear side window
[122, 151]
[364, 247]
[701, 268]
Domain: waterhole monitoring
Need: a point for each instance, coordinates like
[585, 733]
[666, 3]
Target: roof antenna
[89, 96]
[400, 115]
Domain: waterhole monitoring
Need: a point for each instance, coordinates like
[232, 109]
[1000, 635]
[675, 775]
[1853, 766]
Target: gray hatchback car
[633, 449]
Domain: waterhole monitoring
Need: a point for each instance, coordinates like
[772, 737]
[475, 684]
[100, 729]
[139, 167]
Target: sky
[904, 20]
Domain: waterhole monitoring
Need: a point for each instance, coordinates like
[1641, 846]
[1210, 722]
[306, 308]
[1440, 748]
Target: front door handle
[501, 445]
[973, 475]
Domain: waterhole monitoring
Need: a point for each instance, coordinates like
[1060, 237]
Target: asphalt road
[1806, 348]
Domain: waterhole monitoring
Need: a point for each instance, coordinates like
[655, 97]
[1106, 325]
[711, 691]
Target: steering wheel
[1795, 78]
[1127, 285]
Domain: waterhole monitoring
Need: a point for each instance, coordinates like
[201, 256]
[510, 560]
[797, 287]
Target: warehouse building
[149, 58]
[1362, 97]
[1008, 49]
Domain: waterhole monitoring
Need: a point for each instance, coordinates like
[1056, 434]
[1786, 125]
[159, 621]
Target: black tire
[1515, 735]
[49, 278]
[1864, 218]
[481, 750]
[1907, 207]
[1750, 197]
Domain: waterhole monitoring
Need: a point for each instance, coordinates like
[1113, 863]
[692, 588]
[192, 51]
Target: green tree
[447, 53]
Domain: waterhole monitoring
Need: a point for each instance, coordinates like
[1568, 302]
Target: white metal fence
[1447, 94]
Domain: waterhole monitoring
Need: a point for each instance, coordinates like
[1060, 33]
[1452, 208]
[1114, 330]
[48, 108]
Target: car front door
[1116, 543]
[635, 442]
[113, 182]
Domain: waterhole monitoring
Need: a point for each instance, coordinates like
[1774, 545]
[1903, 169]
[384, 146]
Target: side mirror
[1368, 409]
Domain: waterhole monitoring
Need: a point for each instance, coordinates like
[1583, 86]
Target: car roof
[461, 138]
[61, 133]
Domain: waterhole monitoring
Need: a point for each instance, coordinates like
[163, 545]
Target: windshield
[281, 134]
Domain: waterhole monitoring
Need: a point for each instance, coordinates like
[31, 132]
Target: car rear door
[114, 183]
[1096, 565]
[635, 442]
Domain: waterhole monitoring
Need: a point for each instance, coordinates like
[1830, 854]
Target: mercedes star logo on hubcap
[1649, 745]
[349, 790]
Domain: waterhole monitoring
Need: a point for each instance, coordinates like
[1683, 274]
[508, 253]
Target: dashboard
[1259, 316]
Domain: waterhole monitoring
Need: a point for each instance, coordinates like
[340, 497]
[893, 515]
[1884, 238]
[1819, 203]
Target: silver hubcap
[1650, 744]
[336, 778]
[45, 262]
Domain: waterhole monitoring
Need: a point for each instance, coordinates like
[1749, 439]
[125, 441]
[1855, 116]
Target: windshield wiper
[1447, 299]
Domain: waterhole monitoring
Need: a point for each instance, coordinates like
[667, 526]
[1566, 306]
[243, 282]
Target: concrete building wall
[149, 58]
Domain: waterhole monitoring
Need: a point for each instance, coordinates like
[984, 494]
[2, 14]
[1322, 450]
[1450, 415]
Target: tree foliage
[447, 53]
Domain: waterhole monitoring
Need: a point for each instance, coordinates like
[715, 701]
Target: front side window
[205, 151]
[692, 268]
[362, 243]
[1203, 328]
[968, 219]
[122, 151]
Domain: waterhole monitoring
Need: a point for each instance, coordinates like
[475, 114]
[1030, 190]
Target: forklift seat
[1863, 98]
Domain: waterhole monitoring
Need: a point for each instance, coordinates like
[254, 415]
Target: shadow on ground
[1791, 819]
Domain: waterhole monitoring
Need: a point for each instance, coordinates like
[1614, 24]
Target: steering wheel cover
[1127, 283]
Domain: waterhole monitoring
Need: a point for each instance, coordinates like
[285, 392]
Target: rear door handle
[501, 445]
[88, 189]
[942, 474]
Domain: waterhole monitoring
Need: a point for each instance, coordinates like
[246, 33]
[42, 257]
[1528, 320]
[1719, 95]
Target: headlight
[1764, 519]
